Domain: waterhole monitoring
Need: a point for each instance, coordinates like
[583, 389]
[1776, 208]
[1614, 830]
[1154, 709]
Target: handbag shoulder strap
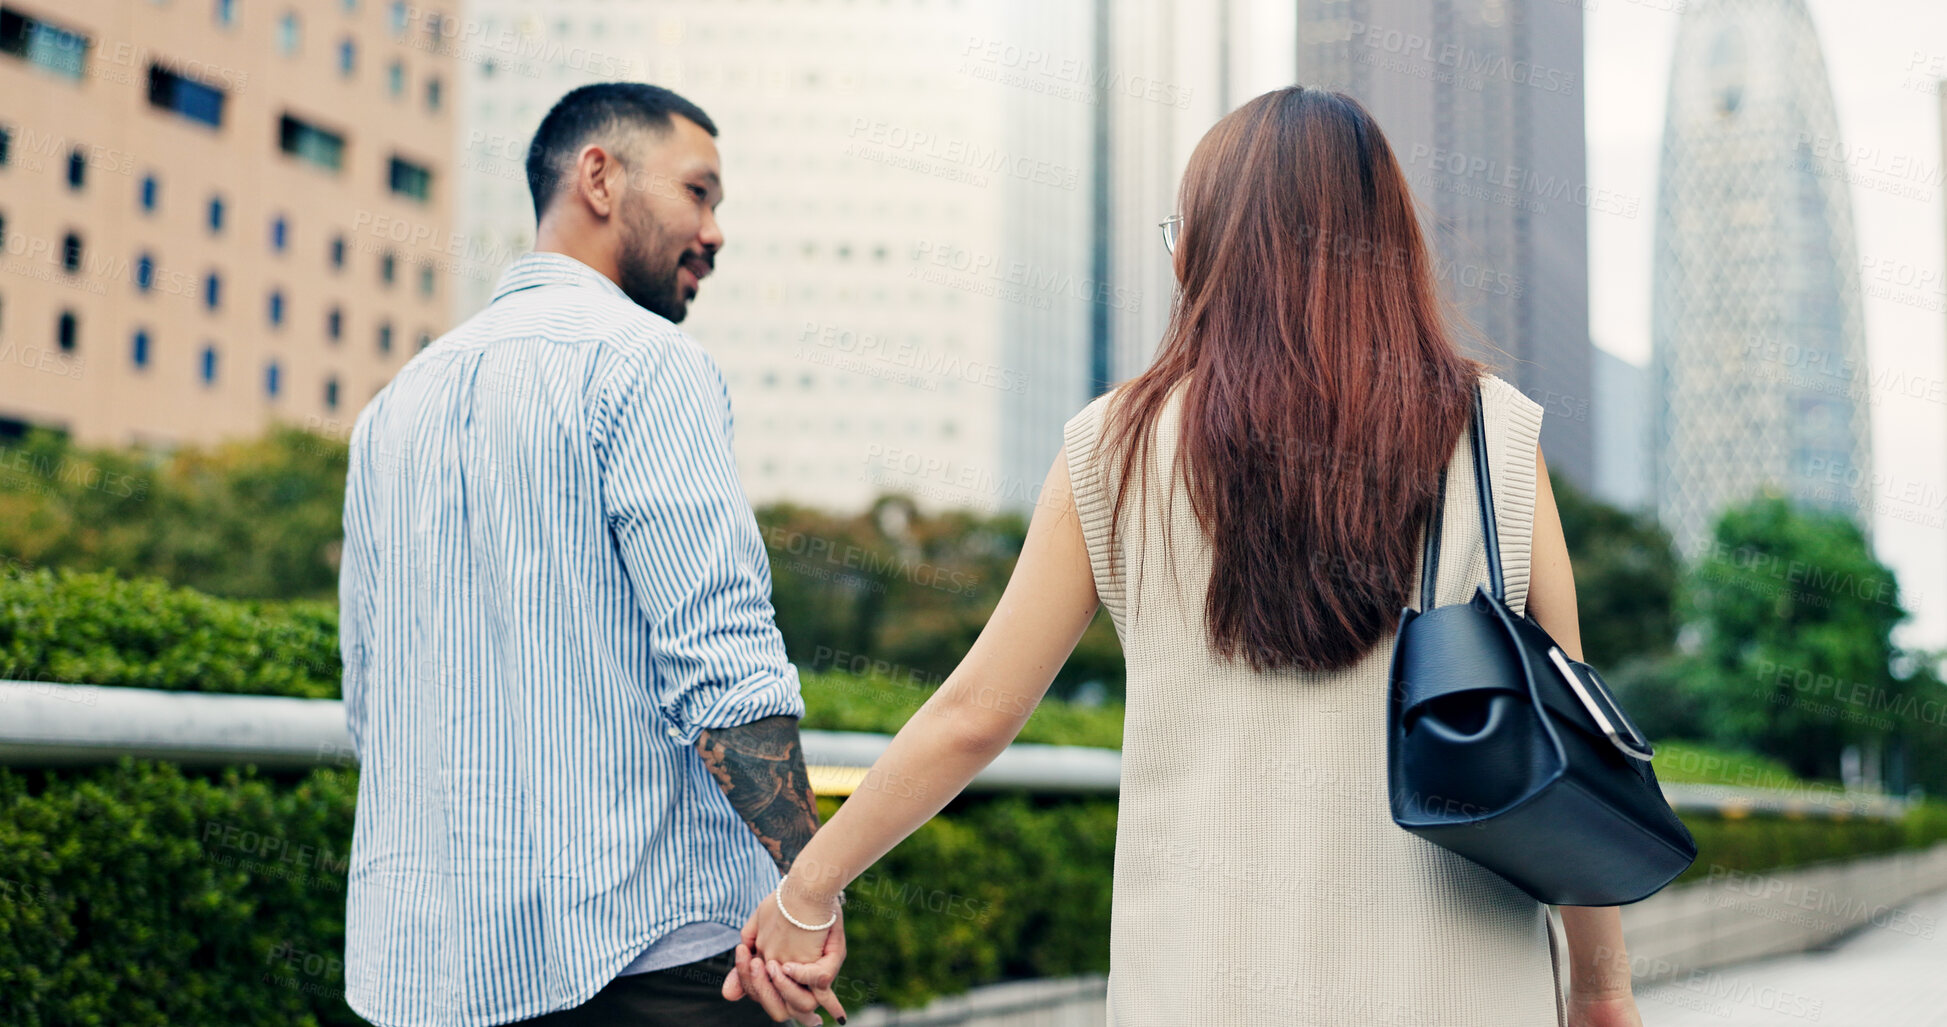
[1430, 548]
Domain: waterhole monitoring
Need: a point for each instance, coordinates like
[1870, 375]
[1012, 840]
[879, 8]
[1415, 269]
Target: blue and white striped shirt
[551, 583]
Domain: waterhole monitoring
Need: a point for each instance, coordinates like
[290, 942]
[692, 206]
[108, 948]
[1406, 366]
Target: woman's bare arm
[981, 707]
[1598, 963]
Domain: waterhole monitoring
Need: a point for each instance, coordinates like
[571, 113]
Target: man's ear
[599, 178]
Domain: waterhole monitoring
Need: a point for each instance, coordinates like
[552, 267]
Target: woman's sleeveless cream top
[1259, 877]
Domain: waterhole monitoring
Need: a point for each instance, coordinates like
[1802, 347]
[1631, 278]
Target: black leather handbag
[1504, 750]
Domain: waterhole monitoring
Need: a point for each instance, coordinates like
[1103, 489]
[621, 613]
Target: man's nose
[710, 235]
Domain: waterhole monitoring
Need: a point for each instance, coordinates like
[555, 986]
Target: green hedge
[140, 894]
[95, 628]
[1759, 843]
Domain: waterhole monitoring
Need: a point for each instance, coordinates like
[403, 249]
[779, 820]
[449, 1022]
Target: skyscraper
[217, 215]
[1622, 431]
[1482, 101]
[1759, 357]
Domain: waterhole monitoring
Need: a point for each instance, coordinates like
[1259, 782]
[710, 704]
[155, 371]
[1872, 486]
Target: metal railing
[43, 724]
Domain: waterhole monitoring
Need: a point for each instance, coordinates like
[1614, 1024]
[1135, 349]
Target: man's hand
[796, 992]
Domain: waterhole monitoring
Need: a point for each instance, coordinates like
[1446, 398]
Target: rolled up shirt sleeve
[690, 546]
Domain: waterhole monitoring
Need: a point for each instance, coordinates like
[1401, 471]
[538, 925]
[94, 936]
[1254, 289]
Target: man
[577, 724]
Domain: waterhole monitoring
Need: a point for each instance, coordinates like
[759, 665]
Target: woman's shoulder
[1097, 410]
[1500, 396]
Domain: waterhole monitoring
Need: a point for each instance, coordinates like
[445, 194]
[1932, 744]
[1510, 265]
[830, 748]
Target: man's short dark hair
[593, 113]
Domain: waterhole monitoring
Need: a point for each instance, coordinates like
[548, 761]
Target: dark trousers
[690, 995]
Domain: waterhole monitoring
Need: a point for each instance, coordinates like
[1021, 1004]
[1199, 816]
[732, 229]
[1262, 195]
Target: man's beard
[649, 279]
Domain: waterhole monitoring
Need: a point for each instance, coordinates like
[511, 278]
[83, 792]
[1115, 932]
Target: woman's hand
[769, 940]
[772, 936]
[1611, 1010]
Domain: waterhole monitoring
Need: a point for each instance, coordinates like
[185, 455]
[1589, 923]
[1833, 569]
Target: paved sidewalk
[1894, 975]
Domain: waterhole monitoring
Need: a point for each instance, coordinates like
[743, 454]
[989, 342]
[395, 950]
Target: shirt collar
[539, 268]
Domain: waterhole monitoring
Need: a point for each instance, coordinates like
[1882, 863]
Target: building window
[71, 253]
[77, 168]
[6, 144]
[279, 233]
[425, 339]
[432, 94]
[426, 280]
[395, 79]
[271, 381]
[144, 273]
[276, 308]
[43, 44]
[288, 34]
[311, 144]
[334, 324]
[331, 394]
[399, 17]
[409, 179]
[67, 331]
[338, 251]
[351, 6]
[385, 337]
[226, 12]
[139, 348]
[150, 190]
[207, 370]
[347, 57]
[388, 268]
[194, 100]
[216, 215]
[212, 290]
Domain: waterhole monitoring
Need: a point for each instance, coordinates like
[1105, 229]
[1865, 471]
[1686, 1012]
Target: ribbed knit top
[1259, 877]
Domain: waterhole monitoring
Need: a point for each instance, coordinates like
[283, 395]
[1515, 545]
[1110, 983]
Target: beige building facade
[216, 215]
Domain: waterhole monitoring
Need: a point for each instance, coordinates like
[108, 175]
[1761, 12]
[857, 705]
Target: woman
[1249, 510]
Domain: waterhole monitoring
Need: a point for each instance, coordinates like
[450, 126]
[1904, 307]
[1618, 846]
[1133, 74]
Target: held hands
[785, 968]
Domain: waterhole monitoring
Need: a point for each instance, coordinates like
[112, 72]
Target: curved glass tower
[1759, 363]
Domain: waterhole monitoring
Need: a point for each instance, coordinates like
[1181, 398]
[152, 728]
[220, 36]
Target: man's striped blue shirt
[551, 584]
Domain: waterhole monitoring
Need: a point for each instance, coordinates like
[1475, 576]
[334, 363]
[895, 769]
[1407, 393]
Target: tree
[256, 519]
[901, 594]
[1792, 618]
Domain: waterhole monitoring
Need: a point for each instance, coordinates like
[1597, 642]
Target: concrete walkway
[1892, 974]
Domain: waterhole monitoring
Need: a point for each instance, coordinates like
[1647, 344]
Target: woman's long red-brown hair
[1322, 392]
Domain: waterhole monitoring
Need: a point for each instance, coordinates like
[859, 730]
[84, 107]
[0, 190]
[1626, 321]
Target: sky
[1883, 58]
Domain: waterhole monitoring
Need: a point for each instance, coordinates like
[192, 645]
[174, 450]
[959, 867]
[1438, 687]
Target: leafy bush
[1757, 843]
[88, 628]
[139, 894]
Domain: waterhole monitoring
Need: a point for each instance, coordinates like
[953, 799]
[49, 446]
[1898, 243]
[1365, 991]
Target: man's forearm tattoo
[760, 767]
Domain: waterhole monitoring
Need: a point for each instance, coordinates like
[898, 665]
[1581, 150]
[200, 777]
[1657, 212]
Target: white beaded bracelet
[795, 922]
